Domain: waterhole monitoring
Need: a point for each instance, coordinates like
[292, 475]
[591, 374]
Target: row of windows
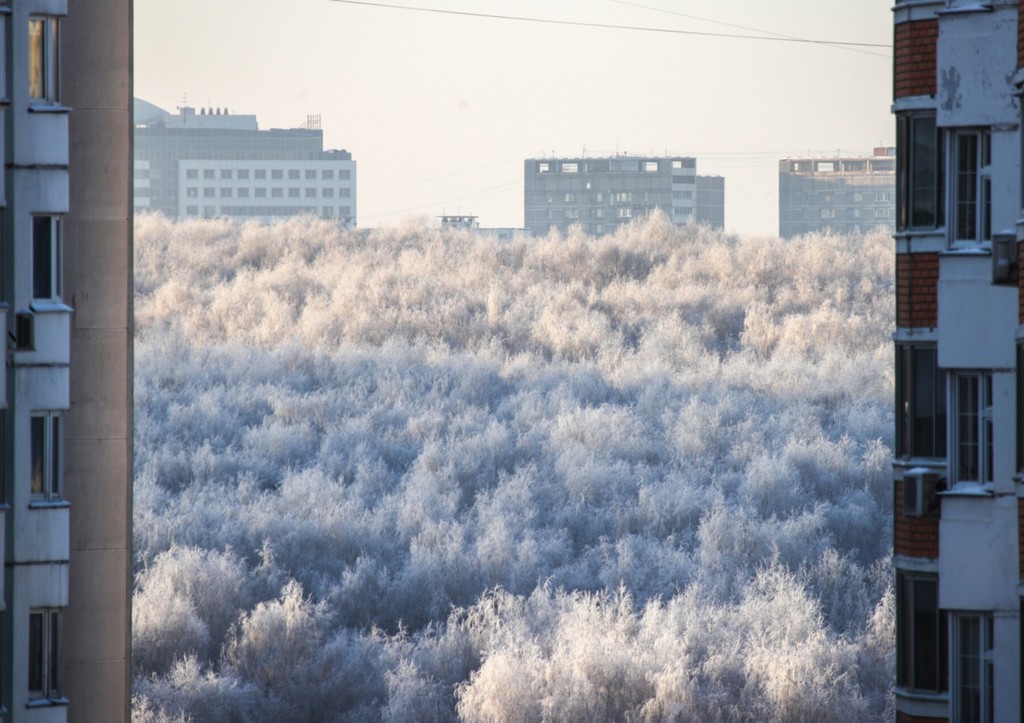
[263, 211]
[922, 171]
[929, 638]
[923, 426]
[261, 192]
[615, 165]
[797, 198]
[276, 174]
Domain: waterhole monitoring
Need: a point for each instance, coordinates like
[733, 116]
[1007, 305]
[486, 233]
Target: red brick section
[1020, 33]
[907, 718]
[1020, 279]
[1020, 536]
[917, 283]
[913, 536]
[914, 58]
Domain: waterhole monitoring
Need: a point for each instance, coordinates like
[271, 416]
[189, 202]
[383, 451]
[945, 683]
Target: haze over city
[440, 105]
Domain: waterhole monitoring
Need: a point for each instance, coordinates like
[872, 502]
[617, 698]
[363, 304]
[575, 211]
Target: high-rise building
[66, 399]
[958, 515]
[214, 163]
[601, 194]
[842, 194]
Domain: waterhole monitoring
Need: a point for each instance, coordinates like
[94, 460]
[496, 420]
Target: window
[973, 684]
[327, 192]
[44, 654]
[570, 198]
[310, 193]
[1020, 408]
[650, 166]
[192, 210]
[920, 402]
[625, 213]
[276, 193]
[327, 174]
[276, 174]
[972, 185]
[261, 174]
[972, 421]
[310, 174]
[208, 192]
[225, 173]
[192, 192]
[261, 192]
[47, 458]
[46, 257]
[208, 173]
[543, 167]
[225, 192]
[344, 192]
[921, 658]
[243, 193]
[293, 174]
[191, 173]
[43, 59]
[570, 168]
[919, 174]
[243, 174]
[293, 193]
[344, 175]
[622, 197]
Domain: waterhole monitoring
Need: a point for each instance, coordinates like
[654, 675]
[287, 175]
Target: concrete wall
[97, 79]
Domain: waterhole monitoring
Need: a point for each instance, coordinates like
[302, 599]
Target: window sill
[48, 504]
[968, 489]
[979, 8]
[39, 107]
[46, 306]
[969, 248]
[47, 702]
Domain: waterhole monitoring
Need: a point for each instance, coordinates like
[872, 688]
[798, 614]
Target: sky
[440, 109]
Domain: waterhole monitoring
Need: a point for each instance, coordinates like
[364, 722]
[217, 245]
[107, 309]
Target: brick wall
[917, 284]
[1020, 33]
[914, 58]
[1020, 536]
[1020, 279]
[913, 536]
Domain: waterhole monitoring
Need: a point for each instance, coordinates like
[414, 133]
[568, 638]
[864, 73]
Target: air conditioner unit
[920, 486]
[1004, 258]
[24, 331]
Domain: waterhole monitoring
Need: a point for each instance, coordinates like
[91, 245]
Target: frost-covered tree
[412, 474]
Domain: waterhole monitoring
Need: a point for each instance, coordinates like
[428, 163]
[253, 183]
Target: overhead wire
[610, 26]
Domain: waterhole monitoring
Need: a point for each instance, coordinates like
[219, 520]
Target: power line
[637, 28]
[843, 46]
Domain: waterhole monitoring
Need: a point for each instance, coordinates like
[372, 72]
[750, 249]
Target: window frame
[920, 204]
[920, 434]
[913, 671]
[982, 678]
[970, 185]
[54, 272]
[46, 439]
[44, 90]
[977, 433]
[45, 654]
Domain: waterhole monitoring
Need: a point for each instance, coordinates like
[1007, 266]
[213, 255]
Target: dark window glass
[919, 173]
[920, 402]
[42, 258]
[921, 637]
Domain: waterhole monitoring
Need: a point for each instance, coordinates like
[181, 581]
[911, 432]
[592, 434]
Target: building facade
[958, 492]
[602, 194]
[842, 194]
[66, 399]
[212, 164]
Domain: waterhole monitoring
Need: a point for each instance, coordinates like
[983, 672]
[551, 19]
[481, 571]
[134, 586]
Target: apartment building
[958, 494]
[602, 194]
[212, 163]
[842, 194]
[66, 397]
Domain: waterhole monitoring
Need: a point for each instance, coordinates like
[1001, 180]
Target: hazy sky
[440, 110]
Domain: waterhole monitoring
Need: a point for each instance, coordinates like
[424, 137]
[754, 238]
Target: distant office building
[601, 194]
[472, 223]
[212, 164]
[844, 194]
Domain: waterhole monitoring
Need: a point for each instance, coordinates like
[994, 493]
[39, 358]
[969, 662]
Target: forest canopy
[420, 474]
